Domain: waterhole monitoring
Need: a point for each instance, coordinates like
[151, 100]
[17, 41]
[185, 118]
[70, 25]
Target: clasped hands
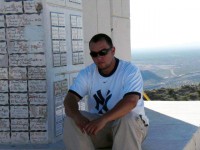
[89, 127]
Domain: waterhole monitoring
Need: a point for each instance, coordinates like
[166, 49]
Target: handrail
[146, 96]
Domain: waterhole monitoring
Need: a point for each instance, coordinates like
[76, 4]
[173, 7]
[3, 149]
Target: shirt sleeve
[80, 84]
[133, 82]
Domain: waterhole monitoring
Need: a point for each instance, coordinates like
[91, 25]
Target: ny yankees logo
[100, 100]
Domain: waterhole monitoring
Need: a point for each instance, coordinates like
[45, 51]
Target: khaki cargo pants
[126, 133]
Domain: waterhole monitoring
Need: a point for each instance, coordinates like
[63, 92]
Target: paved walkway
[174, 125]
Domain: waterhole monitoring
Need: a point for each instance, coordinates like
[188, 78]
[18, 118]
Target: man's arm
[71, 104]
[72, 110]
[122, 108]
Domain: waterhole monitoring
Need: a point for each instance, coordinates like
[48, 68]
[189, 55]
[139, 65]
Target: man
[115, 116]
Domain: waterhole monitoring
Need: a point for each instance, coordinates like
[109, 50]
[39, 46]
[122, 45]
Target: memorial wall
[41, 51]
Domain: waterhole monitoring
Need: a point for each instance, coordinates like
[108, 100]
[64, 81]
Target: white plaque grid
[58, 39]
[23, 109]
[77, 39]
[60, 90]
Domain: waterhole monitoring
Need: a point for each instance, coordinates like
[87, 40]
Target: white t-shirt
[104, 92]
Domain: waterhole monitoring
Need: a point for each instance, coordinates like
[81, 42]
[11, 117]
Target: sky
[165, 23]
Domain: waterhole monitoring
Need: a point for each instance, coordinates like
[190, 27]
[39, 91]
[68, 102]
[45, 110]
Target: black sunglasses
[102, 52]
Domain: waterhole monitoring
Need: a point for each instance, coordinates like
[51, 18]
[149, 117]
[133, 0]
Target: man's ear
[113, 50]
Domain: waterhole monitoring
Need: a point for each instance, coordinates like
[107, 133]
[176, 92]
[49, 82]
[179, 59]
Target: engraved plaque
[80, 34]
[38, 111]
[36, 47]
[63, 59]
[19, 137]
[54, 19]
[64, 85]
[37, 85]
[38, 137]
[5, 137]
[74, 46]
[13, 7]
[14, 20]
[59, 128]
[19, 111]
[57, 88]
[63, 46]
[80, 45]
[62, 33]
[4, 125]
[3, 73]
[3, 98]
[80, 58]
[19, 124]
[36, 73]
[61, 20]
[55, 32]
[38, 124]
[2, 22]
[2, 34]
[4, 111]
[17, 73]
[19, 98]
[74, 33]
[3, 48]
[73, 21]
[56, 60]
[18, 60]
[18, 85]
[33, 19]
[36, 60]
[3, 86]
[18, 47]
[38, 98]
[59, 100]
[25, 47]
[75, 58]
[59, 113]
[15, 33]
[56, 46]
[79, 21]
[23, 20]
[30, 6]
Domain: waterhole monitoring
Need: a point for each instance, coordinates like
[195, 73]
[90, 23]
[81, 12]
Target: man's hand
[94, 126]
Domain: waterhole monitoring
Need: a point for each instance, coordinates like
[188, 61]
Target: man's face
[102, 54]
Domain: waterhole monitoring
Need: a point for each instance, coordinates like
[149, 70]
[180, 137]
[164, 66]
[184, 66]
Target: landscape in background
[168, 68]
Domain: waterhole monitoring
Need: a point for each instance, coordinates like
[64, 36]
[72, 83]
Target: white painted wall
[111, 17]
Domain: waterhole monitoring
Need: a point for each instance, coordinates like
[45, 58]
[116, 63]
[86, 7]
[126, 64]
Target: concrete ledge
[173, 125]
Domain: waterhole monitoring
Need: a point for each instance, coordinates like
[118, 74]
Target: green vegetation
[183, 93]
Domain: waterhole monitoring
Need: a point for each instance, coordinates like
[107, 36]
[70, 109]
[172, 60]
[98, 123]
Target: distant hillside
[154, 81]
[183, 93]
[148, 75]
